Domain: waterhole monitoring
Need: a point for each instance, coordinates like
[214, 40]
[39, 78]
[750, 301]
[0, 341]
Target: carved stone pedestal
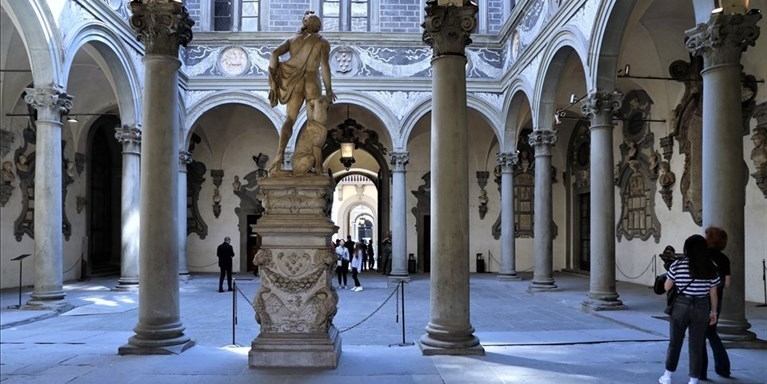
[296, 302]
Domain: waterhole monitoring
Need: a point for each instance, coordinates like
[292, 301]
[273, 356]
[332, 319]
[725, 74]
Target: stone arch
[36, 26]
[606, 42]
[487, 111]
[346, 209]
[384, 116]
[519, 97]
[565, 43]
[196, 110]
[125, 77]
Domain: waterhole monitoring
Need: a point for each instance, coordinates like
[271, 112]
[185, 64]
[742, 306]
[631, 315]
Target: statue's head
[311, 22]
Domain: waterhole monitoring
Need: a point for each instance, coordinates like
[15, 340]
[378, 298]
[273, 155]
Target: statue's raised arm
[297, 79]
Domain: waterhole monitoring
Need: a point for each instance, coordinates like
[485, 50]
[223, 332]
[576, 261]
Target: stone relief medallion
[516, 45]
[344, 61]
[233, 61]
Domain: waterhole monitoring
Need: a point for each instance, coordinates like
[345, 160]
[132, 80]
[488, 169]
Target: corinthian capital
[448, 27]
[723, 38]
[507, 160]
[162, 25]
[50, 103]
[542, 141]
[600, 106]
[184, 158]
[399, 160]
[130, 137]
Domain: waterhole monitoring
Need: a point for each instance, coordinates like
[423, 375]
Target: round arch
[35, 24]
[215, 99]
[349, 204]
[518, 97]
[608, 34]
[565, 43]
[125, 77]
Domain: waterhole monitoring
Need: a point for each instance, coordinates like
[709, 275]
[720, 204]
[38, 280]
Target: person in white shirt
[342, 265]
[357, 266]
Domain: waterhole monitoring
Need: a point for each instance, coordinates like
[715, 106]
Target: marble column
[508, 238]
[130, 138]
[449, 331]
[399, 271]
[543, 276]
[721, 42]
[50, 104]
[162, 25]
[600, 107]
[184, 158]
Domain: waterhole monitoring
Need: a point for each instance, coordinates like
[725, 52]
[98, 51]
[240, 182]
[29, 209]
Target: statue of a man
[297, 79]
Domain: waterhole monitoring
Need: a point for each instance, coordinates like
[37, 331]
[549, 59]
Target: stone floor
[528, 337]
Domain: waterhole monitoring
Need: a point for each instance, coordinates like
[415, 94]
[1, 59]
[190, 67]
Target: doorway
[104, 202]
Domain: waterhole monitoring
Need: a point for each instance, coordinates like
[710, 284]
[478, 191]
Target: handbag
[671, 298]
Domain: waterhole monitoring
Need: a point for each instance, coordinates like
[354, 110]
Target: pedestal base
[173, 349]
[296, 302]
[602, 305]
[282, 350]
[433, 347]
[542, 287]
[508, 277]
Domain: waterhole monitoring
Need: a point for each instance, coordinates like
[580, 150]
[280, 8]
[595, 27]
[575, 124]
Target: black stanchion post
[234, 309]
[402, 295]
[764, 284]
[20, 259]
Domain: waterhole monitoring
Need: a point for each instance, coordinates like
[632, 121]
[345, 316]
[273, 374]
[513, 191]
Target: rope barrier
[652, 261]
[72, 267]
[201, 266]
[342, 330]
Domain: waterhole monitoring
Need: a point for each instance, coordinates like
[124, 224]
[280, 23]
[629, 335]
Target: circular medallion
[233, 61]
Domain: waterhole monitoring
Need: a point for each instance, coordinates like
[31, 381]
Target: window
[345, 15]
[236, 15]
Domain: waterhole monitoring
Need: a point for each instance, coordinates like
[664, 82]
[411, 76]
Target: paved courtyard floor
[528, 337]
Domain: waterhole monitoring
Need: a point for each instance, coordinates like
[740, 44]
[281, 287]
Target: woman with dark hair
[716, 238]
[695, 278]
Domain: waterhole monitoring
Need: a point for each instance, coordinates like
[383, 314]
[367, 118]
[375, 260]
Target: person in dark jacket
[716, 238]
[225, 253]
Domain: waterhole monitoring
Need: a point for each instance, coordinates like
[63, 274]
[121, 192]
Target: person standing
[371, 255]
[385, 265]
[364, 251]
[342, 264]
[716, 238]
[225, 254]
[695, 278]
[359, 251]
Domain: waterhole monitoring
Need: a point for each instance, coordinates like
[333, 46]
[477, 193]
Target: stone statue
[759, 153]
[297, 79]
[308, 153]
[7, 173]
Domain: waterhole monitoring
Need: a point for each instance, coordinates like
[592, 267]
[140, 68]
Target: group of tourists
[696, 280]
[359, 256]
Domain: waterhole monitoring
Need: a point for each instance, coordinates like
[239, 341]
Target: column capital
[162, 25]
[448, 27]
[399, 160]
[723, 38]
[130, 137]
[184, 158]
[50, 103]
[600, 106]
[507, 160]
[542, 141]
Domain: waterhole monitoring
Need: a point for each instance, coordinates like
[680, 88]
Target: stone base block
[433, 347]
[602, 305]
[288, 350]
[173, 349]
[508, 277]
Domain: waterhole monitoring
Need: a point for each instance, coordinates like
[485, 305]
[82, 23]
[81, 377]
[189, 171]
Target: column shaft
[162, 25]
[184, 158]
[543, 276]
[721, 42]
[130, 137]
[508, 237]
[399, 218]
[602, 292]
[48, 213]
